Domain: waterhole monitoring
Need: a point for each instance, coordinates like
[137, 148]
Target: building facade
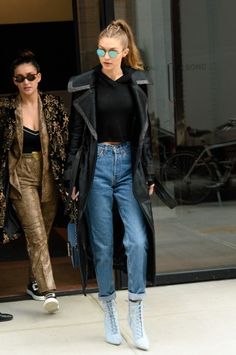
[189, 52]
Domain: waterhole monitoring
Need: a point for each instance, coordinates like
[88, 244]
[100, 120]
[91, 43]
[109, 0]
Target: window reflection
[189, 51]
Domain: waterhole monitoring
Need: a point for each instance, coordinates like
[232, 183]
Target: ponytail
[120, 29]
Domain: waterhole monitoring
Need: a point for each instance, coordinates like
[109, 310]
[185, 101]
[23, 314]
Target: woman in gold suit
[33, 132]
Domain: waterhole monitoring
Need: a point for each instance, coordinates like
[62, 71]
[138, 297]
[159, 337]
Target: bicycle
[193, 176]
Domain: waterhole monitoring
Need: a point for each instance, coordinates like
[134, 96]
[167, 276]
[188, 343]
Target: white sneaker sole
[36, 298]
[51, 305]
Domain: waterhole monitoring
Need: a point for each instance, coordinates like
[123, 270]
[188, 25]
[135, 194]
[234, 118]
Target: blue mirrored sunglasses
[111, 53]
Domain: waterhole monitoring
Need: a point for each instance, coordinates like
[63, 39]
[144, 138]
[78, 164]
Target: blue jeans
[113, 179]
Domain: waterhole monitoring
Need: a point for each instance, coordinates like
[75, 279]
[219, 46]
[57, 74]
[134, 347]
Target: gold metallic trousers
[36, 218]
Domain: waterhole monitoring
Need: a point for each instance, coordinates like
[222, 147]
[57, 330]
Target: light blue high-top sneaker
[135, 319]
[111, 324]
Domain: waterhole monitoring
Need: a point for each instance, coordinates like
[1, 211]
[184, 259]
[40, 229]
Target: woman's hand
[151, 189]
[74, 195]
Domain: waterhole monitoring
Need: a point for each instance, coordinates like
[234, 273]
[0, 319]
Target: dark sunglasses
[20, 78]
[111, 53]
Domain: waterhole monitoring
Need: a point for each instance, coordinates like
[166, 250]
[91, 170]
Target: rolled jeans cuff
[136, 296]
[107, 298]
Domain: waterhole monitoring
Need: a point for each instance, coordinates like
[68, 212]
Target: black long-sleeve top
[114, 108]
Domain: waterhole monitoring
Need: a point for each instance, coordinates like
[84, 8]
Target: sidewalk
[188, 319]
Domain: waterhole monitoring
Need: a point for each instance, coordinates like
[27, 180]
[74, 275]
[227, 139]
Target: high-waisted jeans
[113, 180]
[36, 219]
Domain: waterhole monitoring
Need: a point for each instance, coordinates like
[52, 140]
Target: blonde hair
[120, 29]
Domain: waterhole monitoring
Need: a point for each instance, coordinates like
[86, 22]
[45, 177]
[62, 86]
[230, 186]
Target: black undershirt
[31, 141]
[115, 108]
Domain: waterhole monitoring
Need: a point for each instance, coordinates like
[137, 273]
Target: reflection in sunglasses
[111, 53]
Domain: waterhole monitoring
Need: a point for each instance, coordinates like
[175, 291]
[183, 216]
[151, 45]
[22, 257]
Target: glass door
[189, 52]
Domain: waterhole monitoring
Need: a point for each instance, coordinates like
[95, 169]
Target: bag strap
[74, 170]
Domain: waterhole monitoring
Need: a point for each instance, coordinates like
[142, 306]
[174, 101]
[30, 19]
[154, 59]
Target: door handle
[170, 82]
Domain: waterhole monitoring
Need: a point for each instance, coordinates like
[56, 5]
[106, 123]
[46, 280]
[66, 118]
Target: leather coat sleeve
[147, 156]
[76, 128]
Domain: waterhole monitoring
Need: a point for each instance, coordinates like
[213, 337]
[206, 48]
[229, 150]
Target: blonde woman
[111, 122]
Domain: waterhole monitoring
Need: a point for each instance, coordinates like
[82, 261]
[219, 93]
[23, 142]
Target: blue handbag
[76, 247]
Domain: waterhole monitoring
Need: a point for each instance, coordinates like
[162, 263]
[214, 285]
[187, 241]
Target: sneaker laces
[34, 285]
[50, 295]
[111, 315]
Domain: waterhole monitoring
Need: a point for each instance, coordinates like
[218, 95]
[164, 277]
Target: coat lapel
[141, 108]
[86, 106]
[15, 153]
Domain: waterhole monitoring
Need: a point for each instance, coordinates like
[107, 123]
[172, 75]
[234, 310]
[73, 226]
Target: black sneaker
[51, 304]
[33, 291]
[5, 317]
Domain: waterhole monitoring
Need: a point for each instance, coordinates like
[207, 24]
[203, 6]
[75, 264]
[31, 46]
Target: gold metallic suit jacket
[53, 129]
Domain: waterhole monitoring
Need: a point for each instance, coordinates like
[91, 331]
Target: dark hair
[25, 57]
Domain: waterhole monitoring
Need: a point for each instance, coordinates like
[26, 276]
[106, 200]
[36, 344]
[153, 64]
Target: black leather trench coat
[83, 139]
